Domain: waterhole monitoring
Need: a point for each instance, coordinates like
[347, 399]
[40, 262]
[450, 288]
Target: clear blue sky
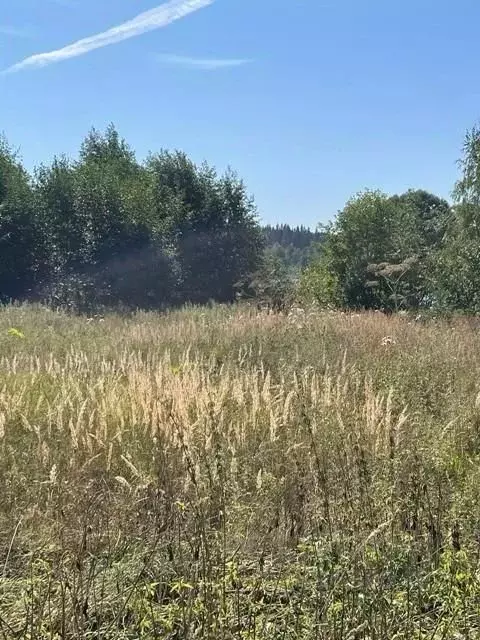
[309, 100]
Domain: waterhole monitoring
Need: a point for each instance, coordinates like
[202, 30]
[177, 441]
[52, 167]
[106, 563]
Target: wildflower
[387, 341]
[15, 333]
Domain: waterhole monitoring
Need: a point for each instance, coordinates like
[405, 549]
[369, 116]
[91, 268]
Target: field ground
[224, 473]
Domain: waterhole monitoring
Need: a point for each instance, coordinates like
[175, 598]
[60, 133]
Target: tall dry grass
[224, 473]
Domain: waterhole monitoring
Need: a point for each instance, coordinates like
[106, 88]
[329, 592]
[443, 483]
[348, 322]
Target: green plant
[225, 472]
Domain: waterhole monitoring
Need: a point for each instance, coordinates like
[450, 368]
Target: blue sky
[309, 100]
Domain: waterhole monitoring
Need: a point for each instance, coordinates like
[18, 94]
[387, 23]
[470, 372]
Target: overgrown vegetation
[294, 247]
[225, 473]
[260, 471]
[404, 252]
[108, 231]
[381, 252]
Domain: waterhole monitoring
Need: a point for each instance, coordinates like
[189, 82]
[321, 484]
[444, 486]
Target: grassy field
[225, 473]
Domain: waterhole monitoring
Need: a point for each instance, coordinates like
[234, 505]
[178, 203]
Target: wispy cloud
[15, 32]
[205, 64]
[156, 18]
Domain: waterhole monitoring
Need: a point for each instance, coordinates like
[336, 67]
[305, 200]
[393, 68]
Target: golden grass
[223, 473]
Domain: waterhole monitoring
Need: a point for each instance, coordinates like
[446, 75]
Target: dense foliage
[288, 250]
[107, 230]
[293, 246]
[377, 253]
[222, 474]
[406, 251]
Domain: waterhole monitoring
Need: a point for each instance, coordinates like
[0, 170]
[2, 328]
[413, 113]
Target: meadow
[230, 473]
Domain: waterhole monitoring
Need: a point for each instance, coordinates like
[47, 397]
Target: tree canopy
[107, 229]
[457, 271]
[377, 254]
[294, 247]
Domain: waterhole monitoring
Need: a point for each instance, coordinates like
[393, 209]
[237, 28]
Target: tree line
[283, 235]
[294, 247]
[106, 229]
[407, 251]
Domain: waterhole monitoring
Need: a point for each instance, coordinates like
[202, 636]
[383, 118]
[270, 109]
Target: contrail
[157, 18]
[205, 64]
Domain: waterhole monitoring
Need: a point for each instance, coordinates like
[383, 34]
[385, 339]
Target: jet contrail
[148, 21]
[205, 64]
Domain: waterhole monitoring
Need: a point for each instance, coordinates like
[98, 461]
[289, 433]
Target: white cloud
[206, 64]
[156, 18]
